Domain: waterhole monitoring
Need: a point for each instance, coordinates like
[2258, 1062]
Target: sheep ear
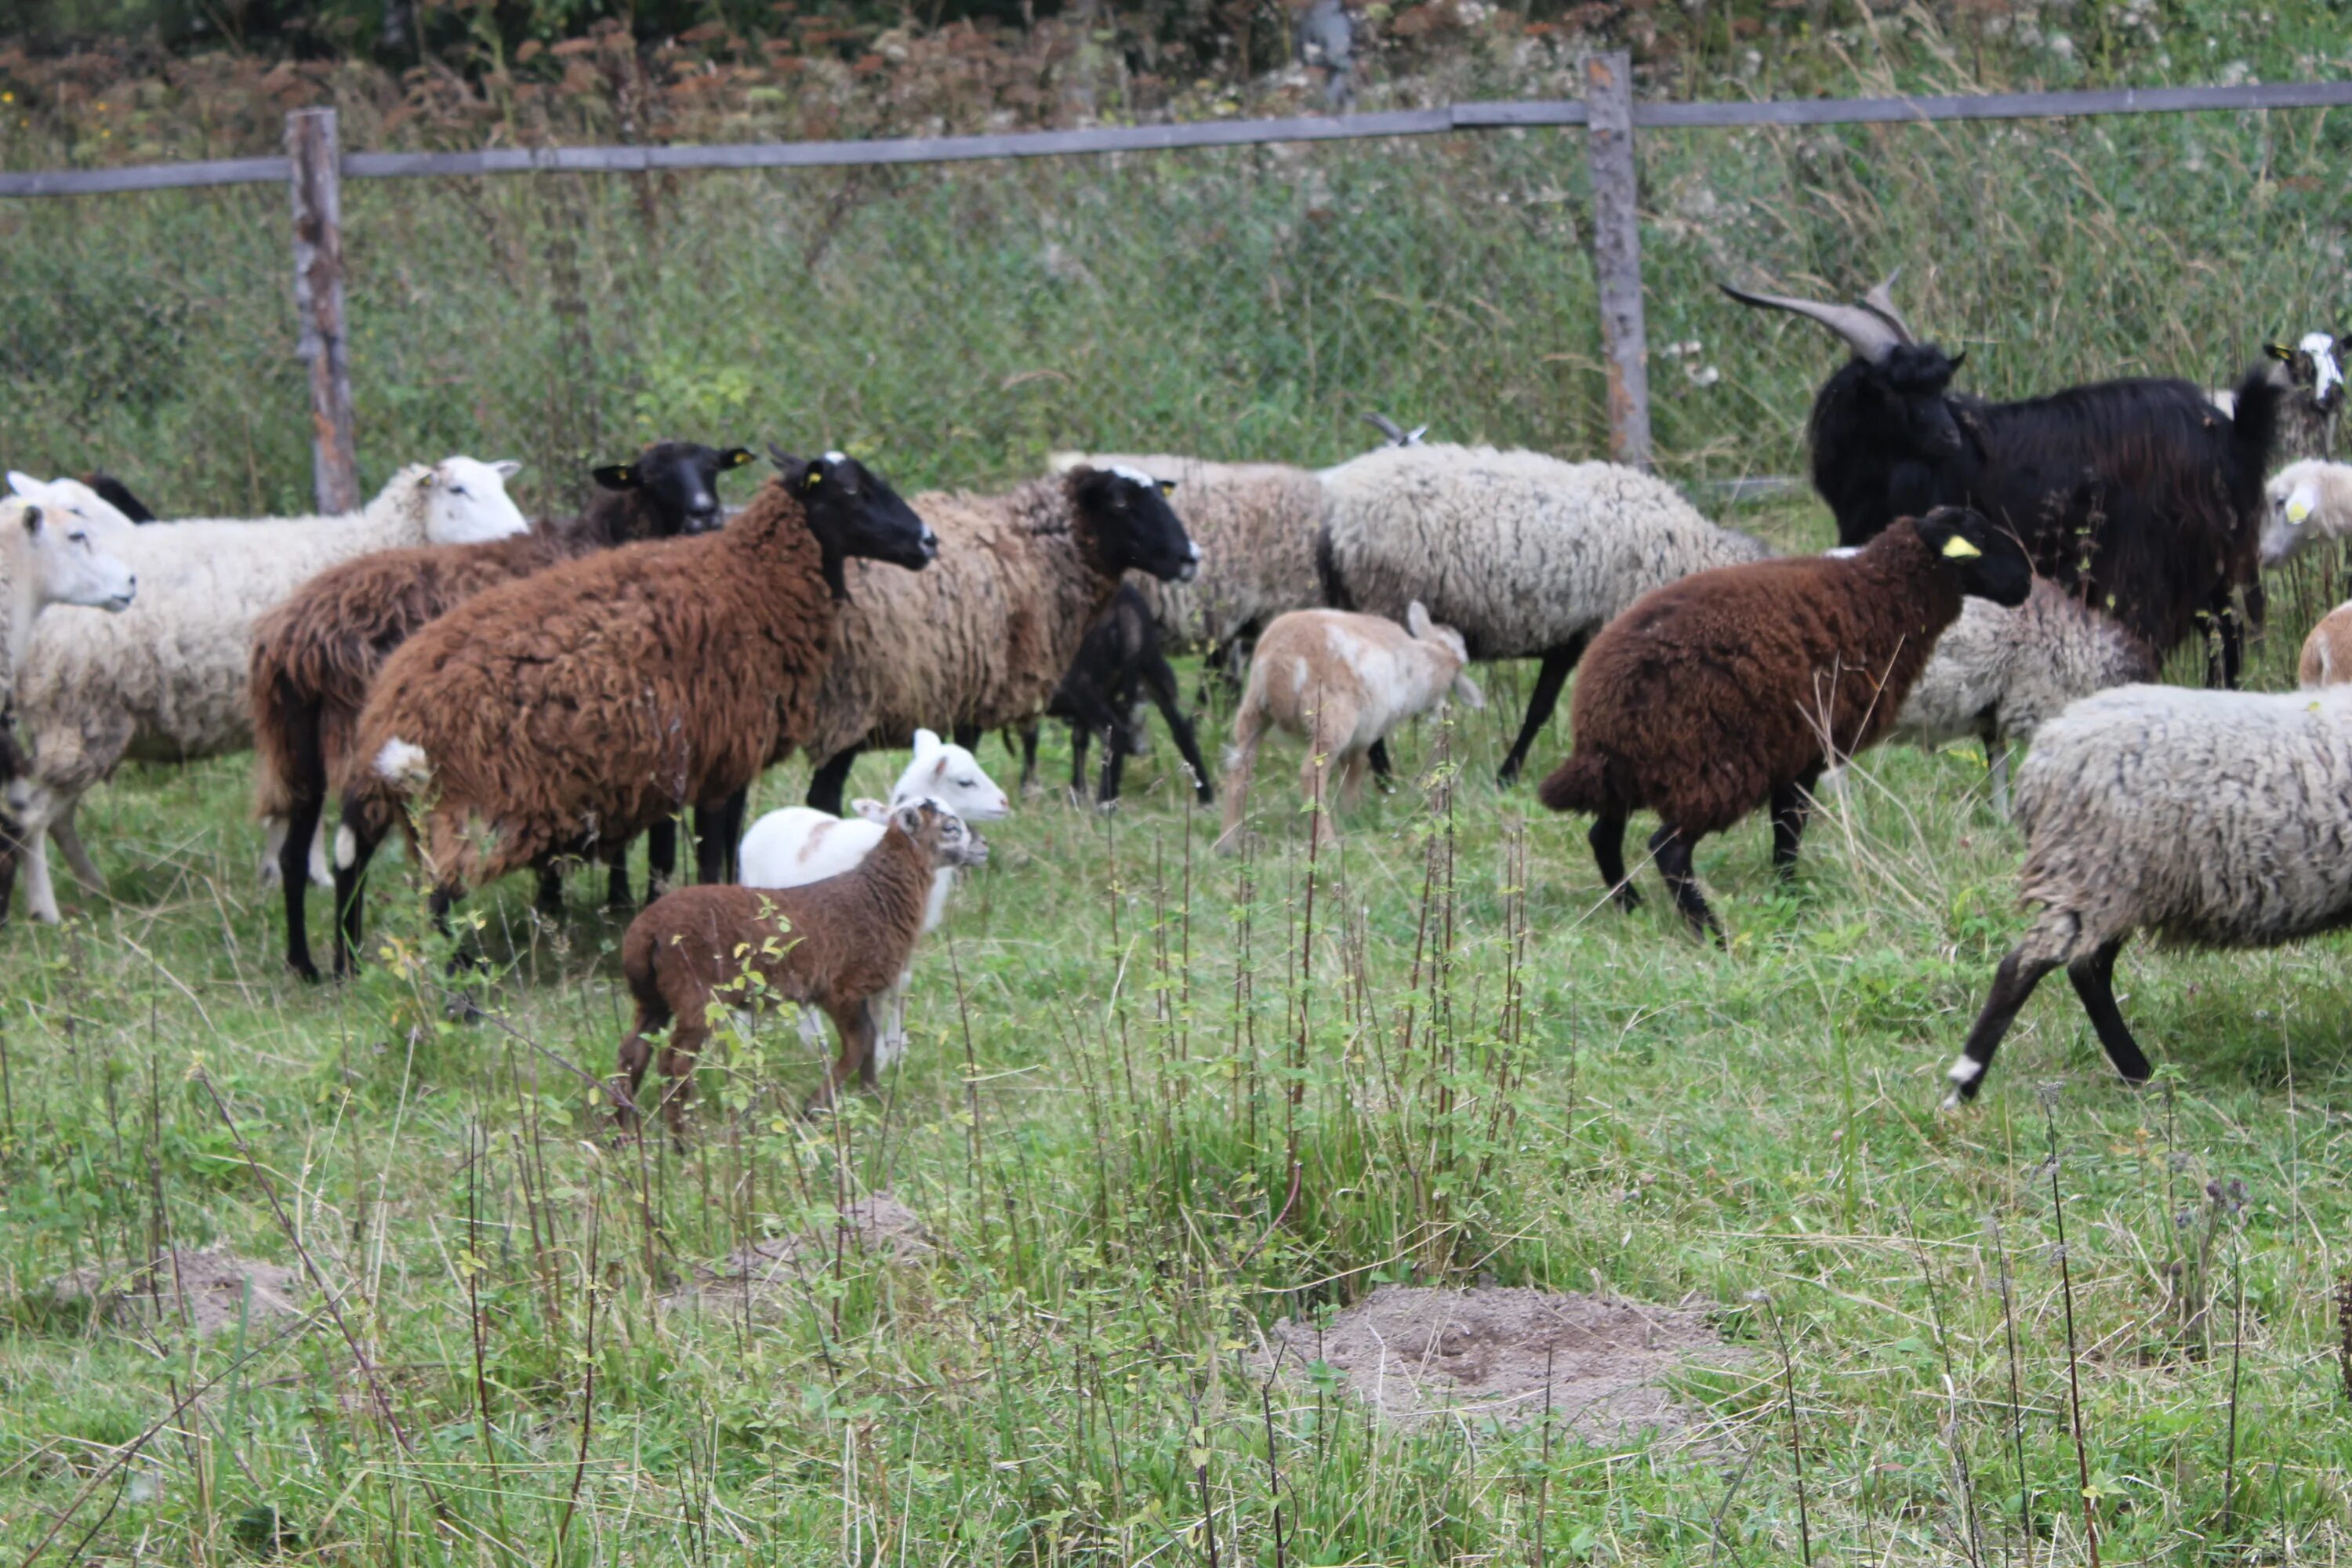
[33, 520]
[2280, 352]
[1167, 487]
[1467, 689]
[616, 476]
[507, 467]
[870, 809]
[926, 742]
[734, 457]
[23, 484]
[1416, 619]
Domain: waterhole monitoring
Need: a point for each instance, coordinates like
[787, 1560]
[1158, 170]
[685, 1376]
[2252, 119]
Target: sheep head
[853, 513]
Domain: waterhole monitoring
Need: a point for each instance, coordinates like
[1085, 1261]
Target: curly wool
[575, 708]
[977, 640]
[2220, 818]
[1256, 524]
[166, 679]
[1519, 552]
[1999, 674]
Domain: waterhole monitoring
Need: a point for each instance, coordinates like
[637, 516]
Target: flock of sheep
[512, 695]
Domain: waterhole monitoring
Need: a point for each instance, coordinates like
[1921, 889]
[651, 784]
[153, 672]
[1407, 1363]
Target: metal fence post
[1617, 253]
[314, 176]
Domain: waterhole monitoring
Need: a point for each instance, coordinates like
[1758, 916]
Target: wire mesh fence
[955, 323]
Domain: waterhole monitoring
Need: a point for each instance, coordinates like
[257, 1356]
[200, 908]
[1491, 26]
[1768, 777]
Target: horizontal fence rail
[1202, 134]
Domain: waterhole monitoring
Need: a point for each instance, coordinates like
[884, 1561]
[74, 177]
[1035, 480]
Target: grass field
[1124, 1048]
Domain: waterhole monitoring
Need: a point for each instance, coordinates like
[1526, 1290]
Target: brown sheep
[315, 656]
[1713, 695]
[983, 639]
[573, 710]
[834, 945]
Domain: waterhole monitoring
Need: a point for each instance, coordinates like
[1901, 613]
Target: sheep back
[1999, 673]
[1714, 690]
[1256, 524]
[1518, 551]
[977, 639]
[2222, 818]
[578, 707]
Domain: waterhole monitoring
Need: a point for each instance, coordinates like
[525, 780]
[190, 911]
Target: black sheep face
[680, 481]
[1991, 562]
[1133, 524]
[854, 513]
[2316, 366]
[1913, 384]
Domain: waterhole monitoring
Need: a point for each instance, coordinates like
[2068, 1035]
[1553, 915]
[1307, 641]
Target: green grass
[1122, 1042]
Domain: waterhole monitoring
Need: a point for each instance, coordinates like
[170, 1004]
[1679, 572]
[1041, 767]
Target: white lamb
[167, 680]
[799, 845]
[1342, 681]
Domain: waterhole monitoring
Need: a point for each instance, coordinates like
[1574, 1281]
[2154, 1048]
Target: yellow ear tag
[815, 478]
[1958, 549]
[2299, 510]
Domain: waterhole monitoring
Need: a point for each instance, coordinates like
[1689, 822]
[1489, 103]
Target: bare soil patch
[1418, 1353]
[877, 1225]
[207, 1288]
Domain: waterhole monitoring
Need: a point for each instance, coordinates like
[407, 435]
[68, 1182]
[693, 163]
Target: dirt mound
[878, 1224]
[209, 1287]
[1414, 1354]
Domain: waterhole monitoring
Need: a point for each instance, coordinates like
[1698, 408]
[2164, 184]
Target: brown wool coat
[1709, 693]
[834, 944]
[319, 651]
[980, 637]
[575, 709]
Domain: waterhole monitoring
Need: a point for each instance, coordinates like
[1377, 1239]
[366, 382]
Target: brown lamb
[1713, 695]
[570, 712]
[833, 945]
[315, 656]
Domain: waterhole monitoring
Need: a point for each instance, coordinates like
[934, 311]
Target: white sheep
[1526, 555]
[2212, 818]
[1342, 681]
[799, 845]
[167, 680]
[71, 499]
[1998, 674]
[2305, 501]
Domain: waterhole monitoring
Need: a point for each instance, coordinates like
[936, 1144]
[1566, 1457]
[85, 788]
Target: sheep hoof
[305, 971]
[1626, 897]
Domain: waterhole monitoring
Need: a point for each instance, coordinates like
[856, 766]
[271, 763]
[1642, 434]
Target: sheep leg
[1672, 851]
[1028, 756]
[1790, 803]
[677, 1059]
[1248, 724]
[2095, 982]
[350, 882]
[825, 784]
[548, 900]
[636, 1055]
[40, 894]
[1557, 662]
[716, 831]
[1997, 776]
[85, 870]
[1160, 681]
[854, 1022]
[305, 816]
[890, 1008]
[1082, 737]
[2013, 983]
[1315, 782]
[661, 865]
[966, 735]
[1384, 770]
[1607, 837]
[462, 958]
[1351, 779]
[12, 851]
[1116, 748]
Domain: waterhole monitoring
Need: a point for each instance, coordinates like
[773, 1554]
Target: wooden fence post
[1617, 253]
[314, 175]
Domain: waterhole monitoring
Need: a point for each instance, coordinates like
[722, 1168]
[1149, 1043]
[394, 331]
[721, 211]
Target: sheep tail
[2260, 397]
[1584, 782]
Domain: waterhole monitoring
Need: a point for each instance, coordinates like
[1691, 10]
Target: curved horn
[1882, 299]
[1870, 335]
[1387, 427]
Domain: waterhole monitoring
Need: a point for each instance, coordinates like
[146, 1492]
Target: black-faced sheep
[1526, 555]
[572, 710]
[981, 640]
[1341, 682]
[315, 656]
[836, 945]
[1734, 688]
[165, 681]
[2139, 495]
[1118, 665]
[2214, 819]
[2314, 369]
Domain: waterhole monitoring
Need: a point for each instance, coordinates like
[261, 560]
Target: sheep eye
[79, 537]
[457, 489]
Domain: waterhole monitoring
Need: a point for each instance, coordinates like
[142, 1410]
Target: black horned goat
[2139, 495]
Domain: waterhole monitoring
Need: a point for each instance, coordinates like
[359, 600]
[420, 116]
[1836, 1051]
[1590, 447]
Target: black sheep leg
[717, 831]
[2095, 983]
[1028, 755]
[1384, 770]
[1672, 851]
[1160, 682]
[1607, 837]
[350, 886]
[1082, 738]
[661, 862]
[1557, 663]
[2013, 983]
[549, 899]
[826, 785]
[1790, 804]
[308, 788]
[965, 735]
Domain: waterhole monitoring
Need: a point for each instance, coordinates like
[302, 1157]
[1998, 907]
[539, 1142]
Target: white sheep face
[70, 500]
[466, 502]
[952, 776]
[2293, 496]
[67, 565]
